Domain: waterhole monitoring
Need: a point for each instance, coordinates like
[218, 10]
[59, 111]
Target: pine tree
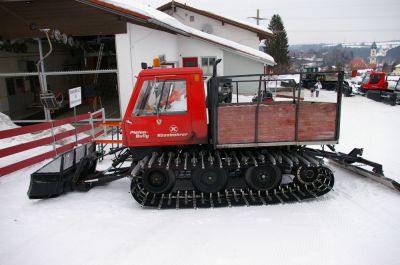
[386, 68]
[277, 45]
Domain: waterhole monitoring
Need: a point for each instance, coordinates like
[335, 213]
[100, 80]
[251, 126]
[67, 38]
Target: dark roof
[262, 34]
[373, 46]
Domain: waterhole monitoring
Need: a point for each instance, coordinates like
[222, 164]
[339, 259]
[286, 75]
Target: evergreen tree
[386, 68]
[278, 45]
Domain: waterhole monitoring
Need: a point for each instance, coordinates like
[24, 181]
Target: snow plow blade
[347, 161]
[64, 172]
[366, 173]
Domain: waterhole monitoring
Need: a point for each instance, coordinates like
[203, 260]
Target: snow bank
[6, 123]
[241, 98]
[356, 223]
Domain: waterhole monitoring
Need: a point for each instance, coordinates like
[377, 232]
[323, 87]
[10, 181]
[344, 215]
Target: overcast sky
[314, 21]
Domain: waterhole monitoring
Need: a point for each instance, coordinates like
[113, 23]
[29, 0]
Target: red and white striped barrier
[50, 140]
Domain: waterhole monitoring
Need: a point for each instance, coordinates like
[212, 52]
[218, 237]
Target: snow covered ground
[357, 223]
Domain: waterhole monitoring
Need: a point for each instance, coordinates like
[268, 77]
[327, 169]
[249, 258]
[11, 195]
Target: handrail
[48, 140]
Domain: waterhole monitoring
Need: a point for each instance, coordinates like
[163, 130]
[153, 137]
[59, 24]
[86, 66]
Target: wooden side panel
[277, 123]
[236, 124]
[317, 121]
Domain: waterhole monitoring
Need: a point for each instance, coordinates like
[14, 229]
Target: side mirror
[144, 66]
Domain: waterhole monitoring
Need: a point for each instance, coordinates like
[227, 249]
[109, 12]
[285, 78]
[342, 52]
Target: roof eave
[260, 33]
[116, 10]
[131, 15]
[234, 50]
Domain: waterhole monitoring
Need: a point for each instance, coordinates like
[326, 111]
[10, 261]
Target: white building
[184, 48]
[229, 28]
[135, 33]
[397, 69]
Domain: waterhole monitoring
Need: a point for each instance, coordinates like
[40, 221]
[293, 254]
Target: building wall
[126, 77]
[238, 65]
[191, 47]
[227, 31]
[139, 45]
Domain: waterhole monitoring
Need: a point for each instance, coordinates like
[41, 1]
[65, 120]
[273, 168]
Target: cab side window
[375, 79]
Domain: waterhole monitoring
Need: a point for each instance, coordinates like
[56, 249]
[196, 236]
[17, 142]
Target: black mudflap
[63, 172]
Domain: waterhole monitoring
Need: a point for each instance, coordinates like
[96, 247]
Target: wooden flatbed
[277, 122]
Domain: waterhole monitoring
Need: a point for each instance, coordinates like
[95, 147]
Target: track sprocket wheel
[209, 180]
[263, 177]
[306, 175]
[158, 180]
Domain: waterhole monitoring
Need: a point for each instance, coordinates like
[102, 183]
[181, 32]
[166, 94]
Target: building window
[189, 62]
[207, 65]
[191, 18]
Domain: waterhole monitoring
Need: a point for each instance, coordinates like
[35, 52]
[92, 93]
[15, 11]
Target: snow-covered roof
[263, 32]
[157, 17]
[397, 66]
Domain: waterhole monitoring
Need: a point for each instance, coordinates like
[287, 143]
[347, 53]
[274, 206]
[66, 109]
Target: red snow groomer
[189, 148]
[375, 86]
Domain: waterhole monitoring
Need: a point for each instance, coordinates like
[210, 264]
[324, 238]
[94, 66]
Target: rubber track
[295, 191]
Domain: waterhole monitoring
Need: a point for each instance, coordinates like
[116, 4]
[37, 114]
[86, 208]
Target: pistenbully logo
[173, 132]
[173, 129]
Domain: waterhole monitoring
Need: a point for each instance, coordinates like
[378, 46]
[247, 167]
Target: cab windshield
[161, 97]
[365, 80]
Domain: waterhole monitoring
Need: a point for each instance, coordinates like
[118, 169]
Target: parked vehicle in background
[328, 80]
[312, 75]
[374, 81]
[375, 86]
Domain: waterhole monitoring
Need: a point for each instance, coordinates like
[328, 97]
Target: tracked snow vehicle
[376, 87]
[189, 150]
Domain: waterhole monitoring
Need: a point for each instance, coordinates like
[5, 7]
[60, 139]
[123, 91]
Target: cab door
[161, 114]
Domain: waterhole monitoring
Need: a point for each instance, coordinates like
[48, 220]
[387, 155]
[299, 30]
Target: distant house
[229, 28]
[358, 64]
[397, 69]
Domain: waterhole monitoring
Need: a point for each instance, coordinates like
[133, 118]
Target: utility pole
[258, 18]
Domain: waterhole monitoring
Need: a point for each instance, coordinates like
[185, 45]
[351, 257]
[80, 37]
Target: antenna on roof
[173, 7]
[258, 18]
